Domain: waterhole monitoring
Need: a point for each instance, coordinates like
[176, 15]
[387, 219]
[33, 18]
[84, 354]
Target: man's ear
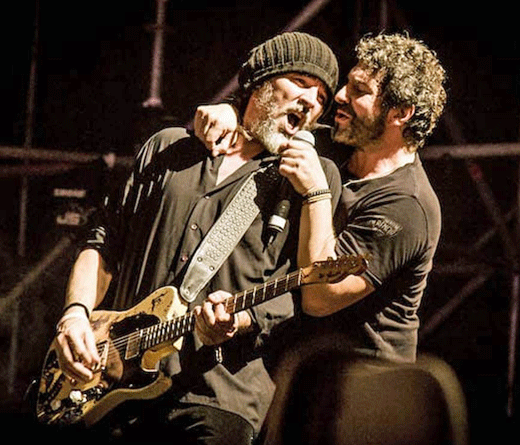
[399, 116]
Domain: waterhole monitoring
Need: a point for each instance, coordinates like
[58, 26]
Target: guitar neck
[265, 292]
[172, 329]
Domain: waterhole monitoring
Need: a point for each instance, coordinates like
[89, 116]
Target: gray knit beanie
[290, 52]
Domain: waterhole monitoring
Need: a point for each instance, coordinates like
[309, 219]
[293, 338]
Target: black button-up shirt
[170, 203]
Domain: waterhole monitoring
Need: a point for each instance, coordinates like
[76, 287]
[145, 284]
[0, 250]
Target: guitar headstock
[333, 271]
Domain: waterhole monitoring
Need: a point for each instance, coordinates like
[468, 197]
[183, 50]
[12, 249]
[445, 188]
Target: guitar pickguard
[126, 371]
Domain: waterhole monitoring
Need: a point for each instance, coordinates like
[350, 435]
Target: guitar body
[126, 372]
[131, 344]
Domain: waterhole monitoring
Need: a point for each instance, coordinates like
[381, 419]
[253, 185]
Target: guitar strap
[222, 238]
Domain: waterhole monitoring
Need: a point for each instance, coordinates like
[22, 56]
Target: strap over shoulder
[221, 239]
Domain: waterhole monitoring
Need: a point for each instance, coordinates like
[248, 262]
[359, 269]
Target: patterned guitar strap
[224, 234]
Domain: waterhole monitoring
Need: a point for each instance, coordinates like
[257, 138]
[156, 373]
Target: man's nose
[341, 96]
[310, 97]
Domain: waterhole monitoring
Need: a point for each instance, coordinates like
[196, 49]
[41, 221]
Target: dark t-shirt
[396, 220]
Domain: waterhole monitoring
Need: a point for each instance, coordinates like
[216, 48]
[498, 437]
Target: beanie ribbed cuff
[291, 52]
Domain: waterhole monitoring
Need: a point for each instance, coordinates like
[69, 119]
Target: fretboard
[172, 329]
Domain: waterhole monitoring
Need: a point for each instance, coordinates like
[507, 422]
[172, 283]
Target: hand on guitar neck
[213, 324]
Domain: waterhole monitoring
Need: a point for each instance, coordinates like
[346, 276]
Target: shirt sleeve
[111, 222]
[391, 234]
[334, 180]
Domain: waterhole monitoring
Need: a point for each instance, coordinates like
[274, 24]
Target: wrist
[77, 308]
[73, 315]
[245, 321]
[241, 323]
[317, 195]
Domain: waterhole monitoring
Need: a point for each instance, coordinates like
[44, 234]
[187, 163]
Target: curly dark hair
[411, 75]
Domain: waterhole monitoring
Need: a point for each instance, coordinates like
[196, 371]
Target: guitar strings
[119, 345]
[231, 303]
[180, 323]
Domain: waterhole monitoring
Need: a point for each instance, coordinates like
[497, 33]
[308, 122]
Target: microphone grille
[305, 136]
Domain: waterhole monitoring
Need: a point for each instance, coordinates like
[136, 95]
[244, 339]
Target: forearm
[317, 242]
[75, 343]
[88, 281]
[317, 239]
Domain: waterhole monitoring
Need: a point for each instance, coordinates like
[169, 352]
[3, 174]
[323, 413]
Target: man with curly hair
[406, 74]
[389, 211]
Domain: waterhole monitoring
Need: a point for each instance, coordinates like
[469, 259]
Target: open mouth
[342, 115]
[294, 122]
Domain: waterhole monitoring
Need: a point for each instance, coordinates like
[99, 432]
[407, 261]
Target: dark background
[93, 74]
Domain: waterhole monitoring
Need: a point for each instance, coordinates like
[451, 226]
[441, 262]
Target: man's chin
[341, 136]
[273, 143]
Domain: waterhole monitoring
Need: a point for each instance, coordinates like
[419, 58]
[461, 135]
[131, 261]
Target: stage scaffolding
[33, 162]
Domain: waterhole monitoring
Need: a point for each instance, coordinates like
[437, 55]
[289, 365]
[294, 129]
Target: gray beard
[265, 132]
[264, 128]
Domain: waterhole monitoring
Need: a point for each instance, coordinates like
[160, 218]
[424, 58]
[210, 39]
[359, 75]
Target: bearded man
[389, 211]
[221, 388]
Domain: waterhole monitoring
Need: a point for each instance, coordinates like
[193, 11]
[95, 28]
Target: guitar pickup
[103, 355]
[133, 346]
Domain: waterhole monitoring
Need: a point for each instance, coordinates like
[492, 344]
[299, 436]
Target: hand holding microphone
[278, 219]
[300, 164]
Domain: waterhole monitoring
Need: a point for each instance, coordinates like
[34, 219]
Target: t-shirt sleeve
[391, 234]
[334, 180]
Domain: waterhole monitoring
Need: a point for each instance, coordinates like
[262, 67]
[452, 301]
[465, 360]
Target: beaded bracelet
[316, 199]
[316, 193]
[322, 195]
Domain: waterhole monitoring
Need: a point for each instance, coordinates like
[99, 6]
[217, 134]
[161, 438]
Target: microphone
[305, 136]
[278, 219]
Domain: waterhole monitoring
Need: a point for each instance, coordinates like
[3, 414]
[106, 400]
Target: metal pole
[35, 274]
[29, 131]
[464, 151]
[155, 101]
[306, 14]
[509, 242]
[24, 196]
[443, 313]
[514, 311]
[513, 332]
[14, 296]
[383, 15]
[13, 348]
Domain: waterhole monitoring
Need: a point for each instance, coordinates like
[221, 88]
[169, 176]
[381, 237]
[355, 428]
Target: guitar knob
[77, 397]
[55, 405]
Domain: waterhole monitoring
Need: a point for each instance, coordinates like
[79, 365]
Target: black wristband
[80, 305]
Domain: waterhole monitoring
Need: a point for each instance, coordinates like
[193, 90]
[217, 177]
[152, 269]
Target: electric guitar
[131, 343]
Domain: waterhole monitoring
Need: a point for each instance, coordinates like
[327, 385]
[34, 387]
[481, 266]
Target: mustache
[346, 108]
[297, 108]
